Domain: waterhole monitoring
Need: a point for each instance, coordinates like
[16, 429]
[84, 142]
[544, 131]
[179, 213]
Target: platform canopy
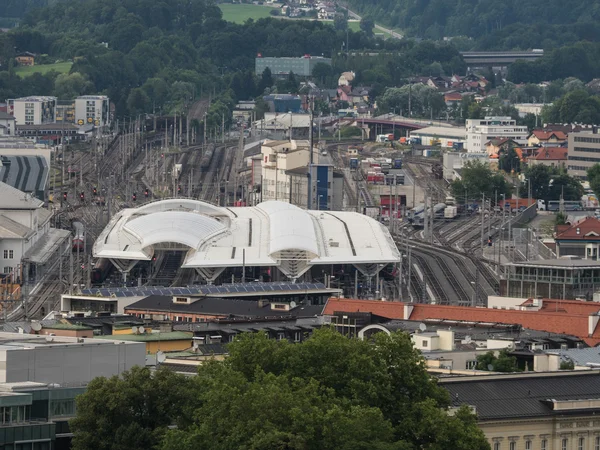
[272, 233]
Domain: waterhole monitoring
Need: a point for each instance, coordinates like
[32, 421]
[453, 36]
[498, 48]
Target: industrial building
[33, 110]
[480, 131]
[443, 136]
[454, 161]
[40, 377]
[29, 174]
[302, 66]
[272, 234]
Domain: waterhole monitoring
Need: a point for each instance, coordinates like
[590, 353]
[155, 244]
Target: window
[527, 445]
[496, 445]
[581, 443]
[8, 269]
[424, 343]
[297, 337]
[5, 254]
[565, 444]
[11, 254]
[544, 444]
[471, 364]
[597, 443]
[512, 445]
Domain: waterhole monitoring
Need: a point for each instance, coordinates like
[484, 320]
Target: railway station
[273, 240]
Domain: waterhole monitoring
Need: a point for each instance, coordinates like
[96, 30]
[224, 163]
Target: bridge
[499, 59]
[387, 123]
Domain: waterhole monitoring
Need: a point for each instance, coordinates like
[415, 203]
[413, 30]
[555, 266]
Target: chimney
[538, 302]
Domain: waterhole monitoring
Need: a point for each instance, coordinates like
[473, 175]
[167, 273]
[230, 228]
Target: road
[389, 31]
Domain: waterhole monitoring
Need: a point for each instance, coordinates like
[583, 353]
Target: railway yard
[448, 263]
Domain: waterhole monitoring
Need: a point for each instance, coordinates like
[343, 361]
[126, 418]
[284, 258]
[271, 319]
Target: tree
[340, 22]
[539, 177]
[593, 176]
[503, 362]
[69, 86]
[567, 365]
[266, 81]
[137, 101]
[509, 161]
[367, 24]
[477, 179]
[132, 411]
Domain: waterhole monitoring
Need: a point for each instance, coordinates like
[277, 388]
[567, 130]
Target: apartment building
[480, 131]
[584, 152]
[33, 110]
[92, 110]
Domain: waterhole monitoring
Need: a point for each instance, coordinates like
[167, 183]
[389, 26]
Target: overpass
[499, 59]
[386, 123]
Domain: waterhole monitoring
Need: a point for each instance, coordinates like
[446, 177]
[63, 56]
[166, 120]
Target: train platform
[41, 252]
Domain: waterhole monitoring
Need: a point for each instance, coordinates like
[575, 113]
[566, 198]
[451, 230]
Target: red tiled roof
[575, 324]
[544, 135]
[582, 230]
[552, 154]
[568, 306]
[450, 96]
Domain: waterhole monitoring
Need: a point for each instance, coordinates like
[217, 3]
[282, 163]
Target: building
[285, 126]
[161, 340]
[302, 66]
[271, 235]
[555, 410]
[574, 318]
[25, 59]
[40, 377]
[581, 239]
[454, 161]
[7, 124]
[327, 187]
[104, 301]
[443, 136]
[551, 157]
[26, 240]
[283, 103]
[65, 111]
[92, 110]
[584, 152]
[28, 174]
[494, 146]
[480, 131]
[451, 347]
[530, 108]
[33, 110]
[20, 146]
[278, 157]
[51, 133]
[546, 138]
[198, 309]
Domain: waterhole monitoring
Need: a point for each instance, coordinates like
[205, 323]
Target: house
[346, 78]
[530, 410]
[452, 98]
[546, 138]
[495, 145]
[581, 239]
[25, 59]
[551, 157]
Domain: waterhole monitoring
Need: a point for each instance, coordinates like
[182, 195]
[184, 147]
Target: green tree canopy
[477, 179]
[593, 176]
[509, 160]
[69, 86]
[502, 362]
[367, 24]
[328, 393]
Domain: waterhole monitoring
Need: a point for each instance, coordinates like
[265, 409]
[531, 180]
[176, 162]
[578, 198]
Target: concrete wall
[69, 363]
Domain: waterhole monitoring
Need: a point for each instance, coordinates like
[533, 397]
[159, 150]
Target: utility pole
[311, 159]
[482, 212]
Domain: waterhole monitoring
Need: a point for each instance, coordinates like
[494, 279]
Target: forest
[436, 19]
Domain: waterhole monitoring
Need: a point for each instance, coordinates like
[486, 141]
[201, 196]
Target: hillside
[18, 8]
[475, 18]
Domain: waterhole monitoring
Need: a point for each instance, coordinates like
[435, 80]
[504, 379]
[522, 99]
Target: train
[78, 236]
[207, 157]
[438, 213]
[101, 270]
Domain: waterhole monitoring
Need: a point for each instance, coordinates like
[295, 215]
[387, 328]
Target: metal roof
[241, 289]
[12, 198]
[263, 235]
[27, 173]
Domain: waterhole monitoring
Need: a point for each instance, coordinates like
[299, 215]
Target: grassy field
[24, 71]
[239, 13]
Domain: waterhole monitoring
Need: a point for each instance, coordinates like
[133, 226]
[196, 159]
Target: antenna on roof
[134, 330]
[160, 357]
[422, 327]
[490, 367]
[36, 326]
[467, 339]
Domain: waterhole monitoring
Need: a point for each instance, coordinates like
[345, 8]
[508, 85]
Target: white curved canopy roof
[270, 234]
[182, 227]
[291, 228]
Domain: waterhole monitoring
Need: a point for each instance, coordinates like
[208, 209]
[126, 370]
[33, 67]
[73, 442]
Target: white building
[327, 187]
[7, 124]
[92, 110]
[33, 110]
[454, 161]
[480, 131]
[26, 238]
[277, 158]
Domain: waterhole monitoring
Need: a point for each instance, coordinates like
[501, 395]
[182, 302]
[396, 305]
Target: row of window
[9, 254]
[7, 269]
[577, 167]
[587, 139]
[586, 149]
[564, 444]
[583, 158]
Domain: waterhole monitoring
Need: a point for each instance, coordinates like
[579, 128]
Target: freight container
[450, 212]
